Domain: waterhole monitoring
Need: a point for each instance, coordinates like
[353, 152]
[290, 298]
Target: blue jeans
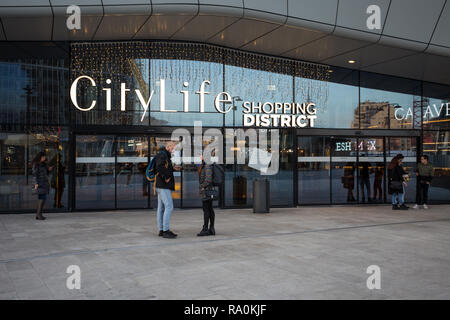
[401, 196]
[165, 207]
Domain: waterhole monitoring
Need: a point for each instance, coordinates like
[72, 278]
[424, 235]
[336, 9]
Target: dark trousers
[208, 214]
[422, 193]
[58, 197]
[377, 189]
[365, 182]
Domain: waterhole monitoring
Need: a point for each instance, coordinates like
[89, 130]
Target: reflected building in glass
[141, 91]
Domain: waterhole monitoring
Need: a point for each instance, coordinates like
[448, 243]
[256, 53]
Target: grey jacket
[40, 177]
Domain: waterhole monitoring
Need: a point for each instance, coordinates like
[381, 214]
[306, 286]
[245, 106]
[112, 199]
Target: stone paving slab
[291, 253]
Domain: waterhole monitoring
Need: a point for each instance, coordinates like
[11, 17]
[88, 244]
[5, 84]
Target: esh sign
[257, 114]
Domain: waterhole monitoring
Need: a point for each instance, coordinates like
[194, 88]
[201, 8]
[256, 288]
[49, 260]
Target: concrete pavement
[294, 253]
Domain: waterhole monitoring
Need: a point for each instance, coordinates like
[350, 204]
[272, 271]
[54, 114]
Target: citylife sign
[429, 113]
[258, 114]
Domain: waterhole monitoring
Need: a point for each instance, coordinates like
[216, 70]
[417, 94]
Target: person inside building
[397, 184]
[58, 182]
[424, 173]
[165, 184]
[207, 192]
[40, 180]
[364, 180]
[348, 180]
[378, 181]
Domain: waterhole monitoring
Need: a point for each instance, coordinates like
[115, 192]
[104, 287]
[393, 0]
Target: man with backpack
[165, 184]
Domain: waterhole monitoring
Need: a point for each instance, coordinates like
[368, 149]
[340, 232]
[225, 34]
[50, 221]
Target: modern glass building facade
[363, 120]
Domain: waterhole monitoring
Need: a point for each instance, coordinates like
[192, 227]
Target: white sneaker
[425, 206]
[416, 206]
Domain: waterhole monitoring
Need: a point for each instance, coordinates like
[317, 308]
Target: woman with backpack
[397, 183]
[208, 194]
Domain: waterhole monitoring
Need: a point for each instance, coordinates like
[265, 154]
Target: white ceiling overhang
[413, 42]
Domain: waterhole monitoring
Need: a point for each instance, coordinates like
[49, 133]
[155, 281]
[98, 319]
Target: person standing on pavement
[397, 183]
[165, 184]
[205, 175]
[424, 173]
[41, 183]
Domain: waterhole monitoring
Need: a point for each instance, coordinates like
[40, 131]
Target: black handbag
[211, 194]
[396, 185]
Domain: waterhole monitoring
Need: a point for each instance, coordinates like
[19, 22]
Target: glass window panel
[313, 165]
[343, 170]
[193, 77]
[95, 172]
[436, 106]
[336, 100]
[132, 161]
[389, 102]
[371, 169]
[436, 144]
[257, 86]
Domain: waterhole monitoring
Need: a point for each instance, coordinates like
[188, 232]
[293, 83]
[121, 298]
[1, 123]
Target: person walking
[165, 184]
[397, 183]
[205, 175]
[40, 180]
[424, 173]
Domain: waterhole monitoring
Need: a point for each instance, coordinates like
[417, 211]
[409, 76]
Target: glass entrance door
[131, 163]
[371, 170]
[95, 172]
[343, 170]
[314, 171]
[110, 172]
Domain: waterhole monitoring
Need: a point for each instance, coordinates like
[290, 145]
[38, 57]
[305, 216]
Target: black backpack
[218, 174]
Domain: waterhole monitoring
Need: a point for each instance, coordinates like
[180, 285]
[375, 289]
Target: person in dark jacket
[40, 180]
[364, 180]
[205, 175]
[424, 173]
[397, 183]
[57, 179]
[165, 184]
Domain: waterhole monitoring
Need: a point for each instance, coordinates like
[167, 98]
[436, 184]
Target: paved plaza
[294, 253]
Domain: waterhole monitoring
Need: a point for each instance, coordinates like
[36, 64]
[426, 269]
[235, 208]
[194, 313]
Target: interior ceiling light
[351, 61]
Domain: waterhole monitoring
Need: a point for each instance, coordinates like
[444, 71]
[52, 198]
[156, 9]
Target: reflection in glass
[95, 172]
[132, 161]
[388, 102]
[181, 82]
[436, 106]
[336, 100]
[436, 144]
[371, 169]
[313, 170]
[16, 153]
[344, 175]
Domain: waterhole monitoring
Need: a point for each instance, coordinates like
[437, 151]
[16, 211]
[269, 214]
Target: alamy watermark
[374, 20]
[374, 280]
[74, 280]
[74, 19]
[261, 155]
